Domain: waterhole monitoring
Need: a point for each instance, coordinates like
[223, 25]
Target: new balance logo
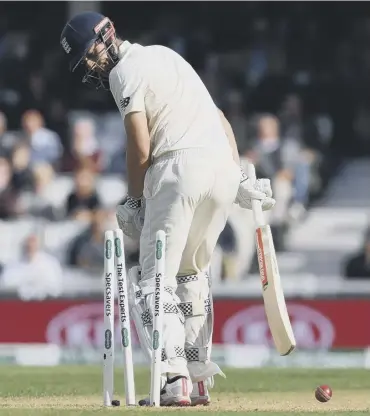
[124, 102]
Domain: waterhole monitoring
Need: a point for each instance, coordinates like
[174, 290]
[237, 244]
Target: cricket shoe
[200, 395]
[175, 392]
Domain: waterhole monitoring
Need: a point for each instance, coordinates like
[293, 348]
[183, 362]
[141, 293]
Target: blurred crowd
[32, 157]
[62, 147]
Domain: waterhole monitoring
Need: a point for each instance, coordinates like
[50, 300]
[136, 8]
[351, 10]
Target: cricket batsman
[183, 177]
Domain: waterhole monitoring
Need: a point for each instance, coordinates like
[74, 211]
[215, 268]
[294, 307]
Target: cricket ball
[323, 393]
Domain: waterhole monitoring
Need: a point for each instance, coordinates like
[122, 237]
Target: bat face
[273, 296]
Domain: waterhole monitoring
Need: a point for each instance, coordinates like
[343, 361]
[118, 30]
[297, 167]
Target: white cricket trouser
[189, 194]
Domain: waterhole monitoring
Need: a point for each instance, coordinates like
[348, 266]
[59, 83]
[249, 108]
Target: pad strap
[177, 352]
[146, 316]
[191, 354]
[187, 307]
[187, 279]
[133, 203]
[197, 354]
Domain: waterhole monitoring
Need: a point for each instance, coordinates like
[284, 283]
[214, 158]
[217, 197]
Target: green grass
[76, 390]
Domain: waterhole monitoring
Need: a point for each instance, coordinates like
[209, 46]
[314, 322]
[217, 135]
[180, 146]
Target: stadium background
[293, 79]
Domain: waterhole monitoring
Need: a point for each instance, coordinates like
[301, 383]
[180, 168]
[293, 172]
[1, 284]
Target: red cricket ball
[323, 393]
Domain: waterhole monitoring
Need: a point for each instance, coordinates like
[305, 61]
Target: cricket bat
[273, 296]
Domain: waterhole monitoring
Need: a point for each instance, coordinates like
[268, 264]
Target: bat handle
[258, 215]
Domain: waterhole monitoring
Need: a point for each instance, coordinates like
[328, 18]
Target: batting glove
[261, 191]
[130, 217]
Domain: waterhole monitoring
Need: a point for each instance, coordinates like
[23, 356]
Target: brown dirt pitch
[76, 390]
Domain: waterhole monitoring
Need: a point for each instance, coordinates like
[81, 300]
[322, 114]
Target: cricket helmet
[78, 36]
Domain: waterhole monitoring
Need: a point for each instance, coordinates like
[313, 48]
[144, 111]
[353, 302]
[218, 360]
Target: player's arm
[137, 152]
[261, 190]
[230, 135]
[129, 90]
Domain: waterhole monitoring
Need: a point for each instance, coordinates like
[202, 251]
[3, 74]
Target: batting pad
[197, 307]
[142, 307]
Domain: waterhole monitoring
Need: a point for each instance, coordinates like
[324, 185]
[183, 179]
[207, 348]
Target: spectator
[227, 242]
[36, 202]
[45, 144]
[8, 196]
[266, 154]
[85, 147]
[84, 198]
[22, 174]
[266, 148]
[358, 266]
[300, 151]
[86, 251]
[37, 275]
[7, 140]
[43, 175]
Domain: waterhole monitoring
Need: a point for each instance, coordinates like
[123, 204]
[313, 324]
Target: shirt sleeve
[128, 90]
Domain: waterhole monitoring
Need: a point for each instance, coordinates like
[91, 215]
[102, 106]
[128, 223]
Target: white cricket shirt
[180, 112]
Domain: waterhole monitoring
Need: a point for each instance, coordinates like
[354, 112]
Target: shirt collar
[123, 49]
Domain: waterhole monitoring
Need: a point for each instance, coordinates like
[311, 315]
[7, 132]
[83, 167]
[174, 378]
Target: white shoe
[200, 395]
[175, 392]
